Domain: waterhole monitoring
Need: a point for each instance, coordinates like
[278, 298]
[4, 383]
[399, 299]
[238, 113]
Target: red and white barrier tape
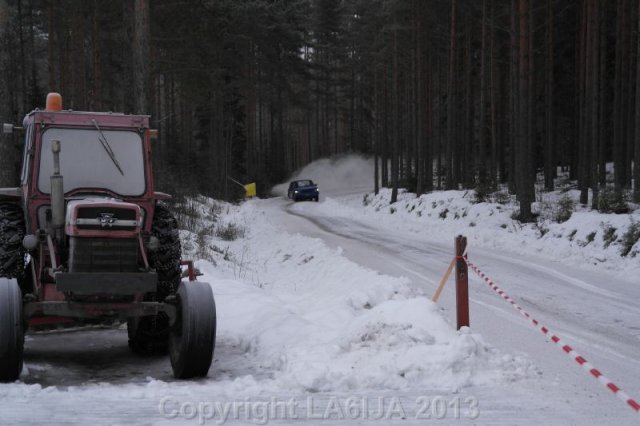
[566, 348]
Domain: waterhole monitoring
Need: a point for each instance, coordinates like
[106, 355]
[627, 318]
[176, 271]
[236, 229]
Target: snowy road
[597, 316]
[587, 307]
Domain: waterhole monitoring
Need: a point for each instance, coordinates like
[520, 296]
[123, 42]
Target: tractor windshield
[84, 162]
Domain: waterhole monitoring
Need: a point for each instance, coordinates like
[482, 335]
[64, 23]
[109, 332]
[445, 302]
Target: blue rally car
[303, 189]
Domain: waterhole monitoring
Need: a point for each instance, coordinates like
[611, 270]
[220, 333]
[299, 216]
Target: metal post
[462, 283]
[190, 269]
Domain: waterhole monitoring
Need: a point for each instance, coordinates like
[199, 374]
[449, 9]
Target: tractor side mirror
[8, 128]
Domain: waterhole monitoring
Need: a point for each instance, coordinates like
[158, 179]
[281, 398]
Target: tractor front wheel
[151, 333]
[11, 330]
[193, 336]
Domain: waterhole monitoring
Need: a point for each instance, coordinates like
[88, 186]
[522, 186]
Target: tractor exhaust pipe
[57, 191]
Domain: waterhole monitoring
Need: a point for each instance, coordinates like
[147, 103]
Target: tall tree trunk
[604, 135]
[594, 100]
[420, 100]
[549, 151]
[96, 99]
[583, 92]
[78, 71]
[396, 117]
[440, 132]
[376, 134]
[8, 109]
[630, 92]
[636, 156]
[451, 102]
[524, 167]
[51, 40]
[428, 136]
[514, 100]
[629, 104]
[35, 98]
[384, 152]
[23, 60]
[141, 56]
[481, 158]
[493, 89]
[620, 95]
[463, 170]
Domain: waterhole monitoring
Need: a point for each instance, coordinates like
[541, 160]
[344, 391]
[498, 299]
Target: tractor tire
[12, 231]
[150, 334]
[11, 330]
[166, 259]
[193, 336]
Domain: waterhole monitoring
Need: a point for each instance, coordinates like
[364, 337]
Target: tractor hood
[102, 217]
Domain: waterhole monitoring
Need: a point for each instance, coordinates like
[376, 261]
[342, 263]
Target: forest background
[443, 94]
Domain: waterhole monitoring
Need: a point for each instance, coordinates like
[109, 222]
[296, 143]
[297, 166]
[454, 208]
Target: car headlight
[295, 192]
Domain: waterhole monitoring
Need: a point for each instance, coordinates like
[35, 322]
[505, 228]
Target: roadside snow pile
[564, 229]
[586, 238]
[320, 323]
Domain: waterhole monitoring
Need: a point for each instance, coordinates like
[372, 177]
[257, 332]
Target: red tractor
[85, 239]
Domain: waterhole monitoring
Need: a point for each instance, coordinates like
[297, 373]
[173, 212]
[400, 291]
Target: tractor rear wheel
[11, 330]
[11, 234]
[151, 333]
[193, 335]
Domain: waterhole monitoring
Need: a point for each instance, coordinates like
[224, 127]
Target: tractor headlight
[154, 243]
[30, 242]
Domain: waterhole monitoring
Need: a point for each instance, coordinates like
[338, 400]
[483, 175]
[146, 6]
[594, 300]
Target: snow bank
[324, 324]
[587, 239]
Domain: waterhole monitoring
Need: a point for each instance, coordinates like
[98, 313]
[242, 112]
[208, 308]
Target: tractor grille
[101, 218]
[103, 254]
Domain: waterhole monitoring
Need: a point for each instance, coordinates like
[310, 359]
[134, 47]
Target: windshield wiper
[107, 147]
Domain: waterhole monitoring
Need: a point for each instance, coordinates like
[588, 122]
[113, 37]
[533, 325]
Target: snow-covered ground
[324, 316]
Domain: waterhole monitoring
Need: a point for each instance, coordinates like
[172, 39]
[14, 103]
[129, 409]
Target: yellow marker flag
[250, 190]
